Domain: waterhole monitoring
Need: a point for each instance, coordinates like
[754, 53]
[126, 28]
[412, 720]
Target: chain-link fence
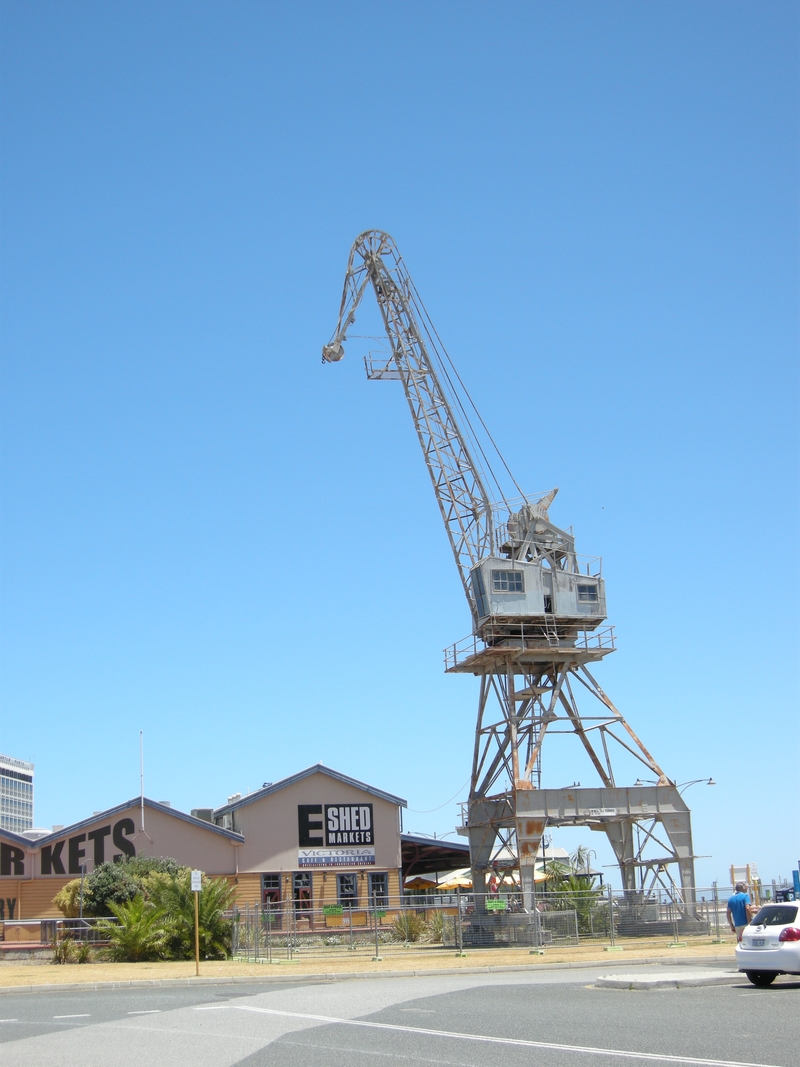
[457, 922]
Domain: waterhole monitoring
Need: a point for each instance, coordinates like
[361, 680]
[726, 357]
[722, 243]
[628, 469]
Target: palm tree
[175, 899]
[572, 887]
[139, 933]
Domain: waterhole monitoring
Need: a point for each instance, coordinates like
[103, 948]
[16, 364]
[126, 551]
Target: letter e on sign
[197, 881]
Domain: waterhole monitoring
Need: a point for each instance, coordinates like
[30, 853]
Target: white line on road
[86, 1016]
[150, 1011]
[9, 1020]
[587, 1049]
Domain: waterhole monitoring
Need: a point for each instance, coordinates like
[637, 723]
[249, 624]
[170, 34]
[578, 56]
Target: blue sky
[209, 536]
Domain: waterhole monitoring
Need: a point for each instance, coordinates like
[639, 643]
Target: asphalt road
[550, 1019]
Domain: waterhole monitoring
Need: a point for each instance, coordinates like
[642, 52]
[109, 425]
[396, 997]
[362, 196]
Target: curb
[679, 981]
[283, 978]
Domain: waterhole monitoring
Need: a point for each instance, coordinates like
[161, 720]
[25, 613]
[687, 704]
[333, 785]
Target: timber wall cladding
[36, 898]
[248, 889]
[30, 899]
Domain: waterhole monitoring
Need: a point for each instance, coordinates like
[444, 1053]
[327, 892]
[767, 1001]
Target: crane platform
[473, 655]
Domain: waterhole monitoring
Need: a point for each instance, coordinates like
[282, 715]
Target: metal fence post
[377, 955]
[460, 935]
[269, 931]
[717, 940]
[610, 915]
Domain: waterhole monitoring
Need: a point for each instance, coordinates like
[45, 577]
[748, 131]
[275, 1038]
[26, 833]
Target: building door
[302, 891]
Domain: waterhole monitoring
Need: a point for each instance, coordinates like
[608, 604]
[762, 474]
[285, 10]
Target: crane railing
[529, 636]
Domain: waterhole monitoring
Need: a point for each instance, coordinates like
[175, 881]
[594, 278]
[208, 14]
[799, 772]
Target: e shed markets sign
[343, 825]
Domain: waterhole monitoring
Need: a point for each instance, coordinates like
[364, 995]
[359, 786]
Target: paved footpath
[550, 1017]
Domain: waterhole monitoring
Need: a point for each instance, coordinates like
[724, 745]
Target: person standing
[737, 913]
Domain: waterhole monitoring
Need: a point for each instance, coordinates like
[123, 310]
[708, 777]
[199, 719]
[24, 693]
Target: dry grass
[413, 959]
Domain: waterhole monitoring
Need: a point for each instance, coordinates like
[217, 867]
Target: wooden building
[314, 839]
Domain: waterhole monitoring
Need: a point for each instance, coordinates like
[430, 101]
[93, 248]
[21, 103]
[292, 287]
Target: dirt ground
[42, 972]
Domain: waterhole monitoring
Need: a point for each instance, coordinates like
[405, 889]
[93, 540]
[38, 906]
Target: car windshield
[775, 915]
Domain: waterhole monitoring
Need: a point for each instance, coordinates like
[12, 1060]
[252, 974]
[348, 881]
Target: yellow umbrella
[460, 882]
[420, 883]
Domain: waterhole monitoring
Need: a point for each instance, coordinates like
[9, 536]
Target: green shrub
[408, 926]
[139, 933]
[434, 927]
[118, 883]
[64, 949]
[174, 898]
[83, 953]
[67, 900]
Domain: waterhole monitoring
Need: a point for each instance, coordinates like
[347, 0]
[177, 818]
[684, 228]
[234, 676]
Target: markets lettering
[53, 859]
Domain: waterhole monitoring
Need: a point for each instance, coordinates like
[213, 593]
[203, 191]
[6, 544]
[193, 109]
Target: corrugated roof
[110, 812]
[318, 768]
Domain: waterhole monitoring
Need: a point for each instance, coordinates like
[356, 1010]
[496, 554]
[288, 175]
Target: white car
[770, 943]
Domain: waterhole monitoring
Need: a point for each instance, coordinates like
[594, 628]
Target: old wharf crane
[538, 612]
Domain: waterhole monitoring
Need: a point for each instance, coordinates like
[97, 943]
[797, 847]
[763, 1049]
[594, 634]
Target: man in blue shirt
[737, 910]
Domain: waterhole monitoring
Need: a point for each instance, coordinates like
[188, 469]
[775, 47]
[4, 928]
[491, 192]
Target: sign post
[197, 885]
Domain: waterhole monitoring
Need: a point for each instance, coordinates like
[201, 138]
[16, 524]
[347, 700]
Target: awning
[428, 855]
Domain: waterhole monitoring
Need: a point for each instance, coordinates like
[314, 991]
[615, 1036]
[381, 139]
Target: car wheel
[761, 978]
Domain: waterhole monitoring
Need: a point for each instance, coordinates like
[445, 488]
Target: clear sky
[209, 536]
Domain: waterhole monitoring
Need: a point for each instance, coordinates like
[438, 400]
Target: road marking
[9, 1020]
[484, 1038]
[150, 1011]
[86, 1016]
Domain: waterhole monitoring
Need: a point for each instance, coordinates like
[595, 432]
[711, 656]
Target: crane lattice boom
[459, 488]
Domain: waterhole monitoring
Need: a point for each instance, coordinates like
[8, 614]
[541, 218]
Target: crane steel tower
[538, 610]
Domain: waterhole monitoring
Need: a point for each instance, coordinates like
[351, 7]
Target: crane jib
[457, 482]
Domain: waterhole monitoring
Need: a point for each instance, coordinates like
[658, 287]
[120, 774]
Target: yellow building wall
[36, 898]
[32, 898]
[248, 890]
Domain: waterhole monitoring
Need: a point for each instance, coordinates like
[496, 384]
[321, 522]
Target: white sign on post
[197, 881]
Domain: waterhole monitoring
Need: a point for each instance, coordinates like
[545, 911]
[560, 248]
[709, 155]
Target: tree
[118, 883]
[174, 898]
[572, 887]
[139, 933]
[67, 899]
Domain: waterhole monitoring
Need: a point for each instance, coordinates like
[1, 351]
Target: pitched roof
[16, 839]
[318, 768]
[110, 812]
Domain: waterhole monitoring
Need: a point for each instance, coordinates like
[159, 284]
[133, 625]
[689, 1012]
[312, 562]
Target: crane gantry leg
[526, 696]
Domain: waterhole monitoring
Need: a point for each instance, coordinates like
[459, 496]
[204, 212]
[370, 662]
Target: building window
[271, 890]
[379, 890]
[587, 594]
[302, 890]
[347, 885]
[508, 582]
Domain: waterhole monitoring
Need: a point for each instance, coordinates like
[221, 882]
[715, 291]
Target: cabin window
[479, 590]
[587, 594]
[508, 582]
[348, 890]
